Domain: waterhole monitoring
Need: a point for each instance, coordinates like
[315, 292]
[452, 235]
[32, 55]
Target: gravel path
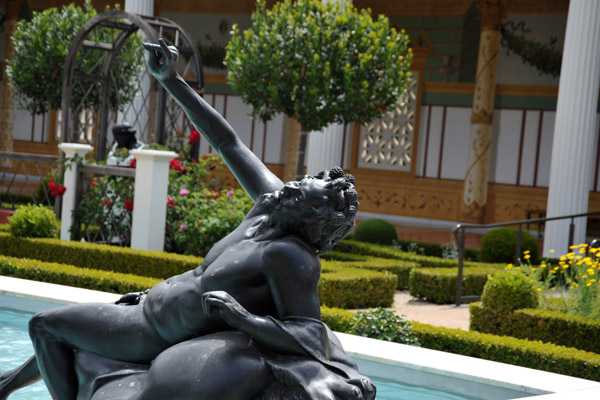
[447, 315]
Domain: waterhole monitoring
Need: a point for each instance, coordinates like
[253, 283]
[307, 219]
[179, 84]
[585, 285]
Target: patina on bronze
[243, 325]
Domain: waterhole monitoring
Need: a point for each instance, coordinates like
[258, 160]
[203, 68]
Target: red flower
[175, 164]
[170, 202]
[204, 156]
[194, 136]
[107, 202]
[133, 163]
[93, 183]
[56, 190]
[128, 205]
[194, 161]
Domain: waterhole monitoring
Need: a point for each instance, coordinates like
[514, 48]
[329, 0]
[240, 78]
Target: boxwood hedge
[535, 324]
[438, 285]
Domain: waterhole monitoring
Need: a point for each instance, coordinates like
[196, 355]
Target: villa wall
[523, 119]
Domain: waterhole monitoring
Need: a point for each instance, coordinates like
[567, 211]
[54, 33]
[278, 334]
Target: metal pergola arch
[164, 122]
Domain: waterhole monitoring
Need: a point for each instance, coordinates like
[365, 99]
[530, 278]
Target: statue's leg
[18, 378]
[112, 331]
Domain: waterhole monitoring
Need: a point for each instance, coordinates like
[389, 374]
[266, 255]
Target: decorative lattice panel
[387, 143]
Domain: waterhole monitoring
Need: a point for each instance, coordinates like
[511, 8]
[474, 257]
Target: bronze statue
[243, 325]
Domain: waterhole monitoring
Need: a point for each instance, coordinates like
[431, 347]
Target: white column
[150, 199]
[70, 181]
[138, 116]
[324, 149]
[571, 169]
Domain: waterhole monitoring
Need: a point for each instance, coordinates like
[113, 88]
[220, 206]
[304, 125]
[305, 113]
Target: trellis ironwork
[90, 72]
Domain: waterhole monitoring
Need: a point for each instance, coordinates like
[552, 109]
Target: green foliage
[383, 325]
[87, 278]
[438, 285]
[336, 319]
[41, 47]
[376, 231]
[546, 58]
[339, 286]
[525, 353]
[96, 256]
[200, 210]
[543, 325]
[509, 290]
[33, 221]
[498, 245]
[198, 220]
[397, 267]
[318, 63]
[344, 287]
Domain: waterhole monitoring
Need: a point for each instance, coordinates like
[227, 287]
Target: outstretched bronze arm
[252, 174]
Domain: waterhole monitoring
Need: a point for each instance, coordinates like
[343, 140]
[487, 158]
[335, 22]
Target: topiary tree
[33, 221]
[41, 48]
[318, 63]
[498, 245]
[376, 231]
[509, 290]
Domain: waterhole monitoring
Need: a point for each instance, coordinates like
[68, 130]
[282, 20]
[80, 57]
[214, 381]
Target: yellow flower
[509, 266]
[543, 265]
[527, 256]
[582, 250]
[589, 284]
[551, 250]
[573, 247]
[534, 269]
[526, 252]
[539, 289]
[590, 271]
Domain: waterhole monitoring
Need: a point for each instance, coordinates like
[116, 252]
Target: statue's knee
[38, 324]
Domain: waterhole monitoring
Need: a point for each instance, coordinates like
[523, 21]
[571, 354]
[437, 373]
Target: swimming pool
[389, 362]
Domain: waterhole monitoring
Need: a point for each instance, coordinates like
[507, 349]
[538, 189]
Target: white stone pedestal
[150, 199]
[69, 181]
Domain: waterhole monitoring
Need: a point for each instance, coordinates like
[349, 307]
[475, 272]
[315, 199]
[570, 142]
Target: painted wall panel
[24, 123]
[456, 140]
[421, 143]
[238, 118]
[543, 176]
[505, 146]
[432, 163]
[275, 133]
[532, 123]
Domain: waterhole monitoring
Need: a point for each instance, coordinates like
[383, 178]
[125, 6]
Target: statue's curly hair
[326, 228]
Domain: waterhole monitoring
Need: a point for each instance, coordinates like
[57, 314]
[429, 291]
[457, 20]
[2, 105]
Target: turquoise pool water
[15, 348]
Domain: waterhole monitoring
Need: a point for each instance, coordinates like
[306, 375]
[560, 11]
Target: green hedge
[524, 353]
[531, 354]
[63, 274]
[355, 288]
[336, 319]
[397, 267]
[339, 287]
[438, 285]
[535, 324]
[98, 256]
[375, 250]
